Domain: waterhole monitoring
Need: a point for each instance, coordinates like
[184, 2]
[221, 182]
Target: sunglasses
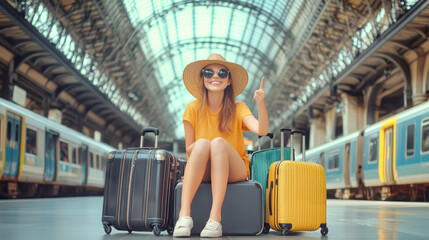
[208, 73]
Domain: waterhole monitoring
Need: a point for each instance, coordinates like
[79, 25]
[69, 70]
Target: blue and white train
[39, 157]
[387, 160]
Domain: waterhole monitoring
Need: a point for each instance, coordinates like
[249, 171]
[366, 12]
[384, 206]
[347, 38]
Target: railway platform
[79, 218]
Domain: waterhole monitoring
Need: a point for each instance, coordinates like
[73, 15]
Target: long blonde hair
[227, 112]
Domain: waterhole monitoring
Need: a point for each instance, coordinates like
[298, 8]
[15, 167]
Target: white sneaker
[183, 227]
[213, 229]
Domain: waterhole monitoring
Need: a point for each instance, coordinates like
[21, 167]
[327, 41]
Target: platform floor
[79, 218]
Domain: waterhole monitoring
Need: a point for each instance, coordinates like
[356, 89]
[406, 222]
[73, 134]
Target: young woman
[214, 126]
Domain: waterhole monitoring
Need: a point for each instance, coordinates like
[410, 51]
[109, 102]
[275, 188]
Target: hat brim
[192, 76]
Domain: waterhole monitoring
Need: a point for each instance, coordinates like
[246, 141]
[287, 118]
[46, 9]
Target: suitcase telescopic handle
[271, 136]
[146, 130]
[282, 142]
[302, 144]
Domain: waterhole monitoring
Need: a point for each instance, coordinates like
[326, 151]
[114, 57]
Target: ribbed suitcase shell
[138, 189]
[242, 211]
[296, 195]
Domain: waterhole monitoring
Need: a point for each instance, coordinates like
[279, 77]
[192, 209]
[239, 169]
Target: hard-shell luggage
[139, 188]
[242, 212]
[261, 161]
[296, 194]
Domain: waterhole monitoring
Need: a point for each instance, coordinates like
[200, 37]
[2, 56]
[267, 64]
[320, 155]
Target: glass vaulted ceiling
[174, 33]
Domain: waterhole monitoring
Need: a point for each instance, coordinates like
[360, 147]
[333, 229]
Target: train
[388, 160]
[40, 157]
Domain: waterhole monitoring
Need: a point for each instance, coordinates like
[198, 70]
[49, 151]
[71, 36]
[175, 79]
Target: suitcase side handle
[270, 135]
[146, 130]
[270, 199]
[282, 143]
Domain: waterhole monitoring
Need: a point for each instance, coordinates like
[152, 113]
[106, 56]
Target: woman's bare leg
[226, 166]
[194, 172]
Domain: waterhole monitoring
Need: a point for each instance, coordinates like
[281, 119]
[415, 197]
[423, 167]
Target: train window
[98, 161]
[64, 150]
[333, 160]
[16, 132]
[91, 160]
[31, 142]
[409, 144]
[373, 150]
[425, 136]
[78, 155]
[104, 161]
[9, 130]
[74, 154]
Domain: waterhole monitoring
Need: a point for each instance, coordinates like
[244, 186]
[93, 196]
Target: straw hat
[192, 74]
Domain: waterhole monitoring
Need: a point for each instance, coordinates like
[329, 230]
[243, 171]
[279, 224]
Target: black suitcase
[139, 188]
[242, 210]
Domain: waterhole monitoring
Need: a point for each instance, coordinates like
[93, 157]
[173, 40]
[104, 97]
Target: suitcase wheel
[285, 232]
[170, 230]
[156, 230]
[107, 228]
[324, 231]
[285, 228]
[266, 228]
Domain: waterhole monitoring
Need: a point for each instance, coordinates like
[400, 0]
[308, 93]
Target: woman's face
[216, 83]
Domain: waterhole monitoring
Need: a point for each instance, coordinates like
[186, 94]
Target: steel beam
[18, 19]
[386, 36]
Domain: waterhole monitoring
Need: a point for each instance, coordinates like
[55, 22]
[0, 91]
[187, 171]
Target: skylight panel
[202, 22]
[187, 57]
[185, 23]
[181, 32]
[221, 22]
[156, 40]
[171, 26]
[178, 66]
[203, 53]
[167, 73]
[238, 27]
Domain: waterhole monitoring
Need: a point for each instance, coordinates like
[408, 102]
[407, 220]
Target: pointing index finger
[262, 83]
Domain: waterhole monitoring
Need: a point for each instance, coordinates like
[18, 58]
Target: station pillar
[419, 74]
[317, 132]
[352, 113]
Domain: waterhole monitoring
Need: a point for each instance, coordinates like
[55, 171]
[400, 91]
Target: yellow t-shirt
[207, 126]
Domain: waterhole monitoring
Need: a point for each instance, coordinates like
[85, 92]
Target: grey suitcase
[242, 210]
[139, 188]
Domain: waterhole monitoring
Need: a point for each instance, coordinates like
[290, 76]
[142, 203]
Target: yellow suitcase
[296, 194]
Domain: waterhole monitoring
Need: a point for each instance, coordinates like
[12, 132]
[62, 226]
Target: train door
[13, 145]
[84, 162]
[388, 155]
[346, 165]
[50, 155]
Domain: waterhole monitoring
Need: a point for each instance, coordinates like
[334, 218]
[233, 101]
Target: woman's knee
[202, 142]
[218, 143]
[201, 148]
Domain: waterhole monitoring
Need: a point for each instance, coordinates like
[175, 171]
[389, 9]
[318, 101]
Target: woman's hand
[258, 126]
[259, 95]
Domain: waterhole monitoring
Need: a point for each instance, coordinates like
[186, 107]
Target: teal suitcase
[260, 162]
